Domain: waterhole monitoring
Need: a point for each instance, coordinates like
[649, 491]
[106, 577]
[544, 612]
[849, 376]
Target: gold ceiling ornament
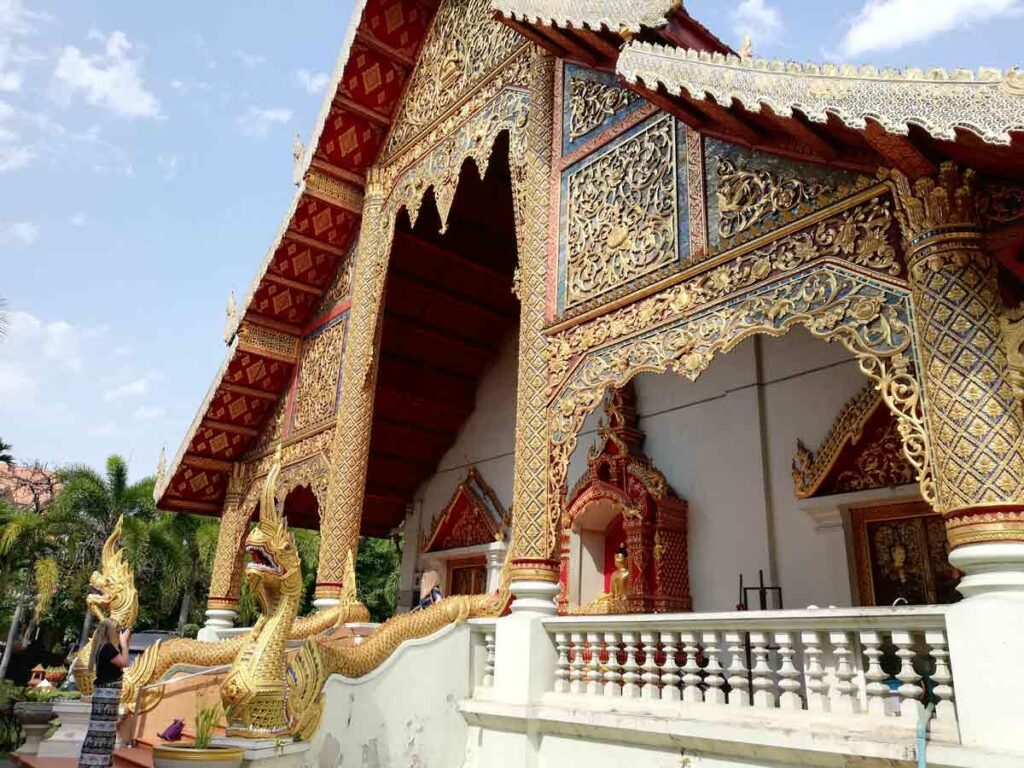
[749, 196]
[613, 15]
[976, 424]
[621, 213]
[987, 103]
[591, 102]
[834, 304]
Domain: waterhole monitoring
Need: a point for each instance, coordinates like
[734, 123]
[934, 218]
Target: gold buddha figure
[620, 583]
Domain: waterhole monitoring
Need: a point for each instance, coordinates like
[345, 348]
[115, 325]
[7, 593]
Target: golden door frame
[833, 273]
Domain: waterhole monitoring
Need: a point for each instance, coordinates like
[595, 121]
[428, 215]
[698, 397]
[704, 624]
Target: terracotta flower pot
[33, 712]
[186, 756]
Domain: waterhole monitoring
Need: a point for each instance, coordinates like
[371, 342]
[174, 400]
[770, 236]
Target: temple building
[711, 364]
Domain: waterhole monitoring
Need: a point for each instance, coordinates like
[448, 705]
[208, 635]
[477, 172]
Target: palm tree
[6, 457]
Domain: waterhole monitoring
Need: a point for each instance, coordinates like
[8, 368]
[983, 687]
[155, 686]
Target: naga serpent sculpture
[112, 594]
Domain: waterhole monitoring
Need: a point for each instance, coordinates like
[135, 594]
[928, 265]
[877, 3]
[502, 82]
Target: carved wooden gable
[863, 450]
[473, 516]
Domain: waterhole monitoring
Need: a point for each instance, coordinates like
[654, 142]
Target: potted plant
[200, 753]
[36, 707]
[54, 675]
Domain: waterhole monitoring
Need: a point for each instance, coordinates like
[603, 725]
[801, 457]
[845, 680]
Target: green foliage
[40, 695]
[6, 455]
[206, 720]
[377, 569]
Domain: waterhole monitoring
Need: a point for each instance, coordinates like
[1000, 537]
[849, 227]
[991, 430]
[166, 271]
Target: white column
[524, 654]
[496, 552]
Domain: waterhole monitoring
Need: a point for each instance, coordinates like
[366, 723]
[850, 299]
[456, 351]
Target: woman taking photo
[108, 660]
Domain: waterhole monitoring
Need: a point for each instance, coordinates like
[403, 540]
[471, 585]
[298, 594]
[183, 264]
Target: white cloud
[257, 122]
[14, 157]
[758, 19]
[16, 384]
[888, 24]
[103, 429]
[134, 388]
[110, 79]
[23, 232]
[249, 60]
[78, 219]
[311, 82]
[121, 351]
[17, 25]
[169, 165]
[55, 342]
[149, 413]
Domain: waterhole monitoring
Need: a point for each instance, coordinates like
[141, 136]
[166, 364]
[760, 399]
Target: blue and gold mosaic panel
[592, 102]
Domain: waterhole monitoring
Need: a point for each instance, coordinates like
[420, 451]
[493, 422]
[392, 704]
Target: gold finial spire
[231, 320]
[747, 48]
[298, 153]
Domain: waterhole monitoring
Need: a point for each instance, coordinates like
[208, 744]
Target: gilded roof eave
[614, 15]
[988, 103]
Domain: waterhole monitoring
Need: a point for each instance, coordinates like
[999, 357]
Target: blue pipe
[922, 734]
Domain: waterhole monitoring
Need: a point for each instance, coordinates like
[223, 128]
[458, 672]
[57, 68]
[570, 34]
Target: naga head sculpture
[273, 569]
[112, 592]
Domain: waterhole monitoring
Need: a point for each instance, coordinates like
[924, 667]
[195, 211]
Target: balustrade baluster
[739, 696]
[713, 671]
[630, 676]
[691, 669]
[847, 701]
[789, 685]
[670, 670]
[612, 677]
[814, 673]
[594, 675]
[562, 664]
[576, 667]
[651, 676]
[945, 711]
[876, 689]
[764, 686]
[488, 680]
[910, 691]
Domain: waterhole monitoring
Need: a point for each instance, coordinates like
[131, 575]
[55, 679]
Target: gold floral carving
[881, 464]
[311, 473]
[333, 190]
[976, 424]
[591, 102]
[226, 578]
[1012, 322]
[833, 303]
[695, 195]
[317, 391]
[859, 235]
[622, 218]
[267, 342]
[465, 44]
[749, 196]
[341, 286]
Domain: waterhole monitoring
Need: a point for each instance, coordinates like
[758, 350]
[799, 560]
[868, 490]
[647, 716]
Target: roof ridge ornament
[231, 318]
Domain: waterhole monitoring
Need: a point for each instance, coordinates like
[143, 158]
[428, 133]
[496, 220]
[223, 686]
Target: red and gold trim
[985, 524]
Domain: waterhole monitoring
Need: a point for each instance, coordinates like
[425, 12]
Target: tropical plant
[6, 456]
[377, 568]
[206, 720]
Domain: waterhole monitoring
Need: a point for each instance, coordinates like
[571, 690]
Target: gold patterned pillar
[341, 516]
[226, 580]
[533, 545]
[975, 425]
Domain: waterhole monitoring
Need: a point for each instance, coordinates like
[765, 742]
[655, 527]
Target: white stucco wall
[486, 440]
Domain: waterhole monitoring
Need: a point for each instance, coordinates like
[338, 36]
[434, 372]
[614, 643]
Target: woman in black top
[108, 660]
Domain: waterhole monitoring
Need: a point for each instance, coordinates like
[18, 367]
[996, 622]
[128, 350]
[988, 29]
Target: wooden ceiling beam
[273, 323]
[233, 429]
[184, 505]
[270, 277]
[805, 134]
[406, 460]
[338, 172]
[899, 151]
[463, 406]
[238, 389]
[424, 365]
[535, 35]
[312, 242]
[366, 38]
[348, 105]
[419, 429]
[416, 325]
[578, 50]
[447, 294]
[674, 105]
[600, 43]
[726, 119]
[450, 253]
[205, 462]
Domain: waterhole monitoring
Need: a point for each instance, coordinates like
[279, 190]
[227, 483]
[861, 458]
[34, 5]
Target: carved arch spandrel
[868, 316]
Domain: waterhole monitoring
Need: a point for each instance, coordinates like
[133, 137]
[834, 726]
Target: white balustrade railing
[482, 664]
[864, 662]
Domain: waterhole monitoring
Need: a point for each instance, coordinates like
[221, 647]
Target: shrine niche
[624, 534]
[466, 544]
[901, 551]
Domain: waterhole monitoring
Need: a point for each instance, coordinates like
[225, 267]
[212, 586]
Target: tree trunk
[186, 599]
[86, 629]
[19, 608]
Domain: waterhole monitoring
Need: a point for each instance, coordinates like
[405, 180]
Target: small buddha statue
[620, 583]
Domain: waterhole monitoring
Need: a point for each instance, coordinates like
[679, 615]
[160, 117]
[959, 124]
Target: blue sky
[145, 165]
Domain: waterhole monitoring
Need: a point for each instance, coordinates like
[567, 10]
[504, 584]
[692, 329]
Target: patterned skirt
[98, 749]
